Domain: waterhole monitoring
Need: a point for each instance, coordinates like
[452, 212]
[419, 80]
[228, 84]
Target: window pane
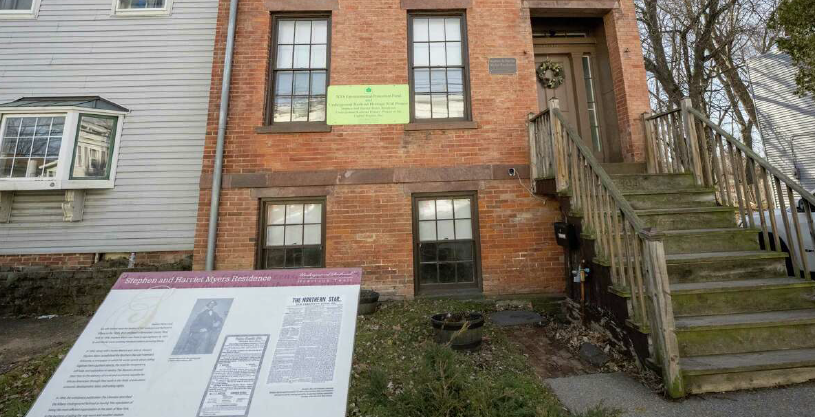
[316, 109]
[301, 83]
[96, 136]
[43, 126]
[428, 273]
[420, 30]
[23, 148]
[462, 208]
[318, 83]
[284, 56]
[15, 4]
[445, 230]
[319, 31]
[312, 234]
[294, 235]
[302, 32]
[439, 106]
[464, 229]
[50, 169]
[436, 29]
[57, 126]
[317, 56]
[456, 105]
[447, 252]
[452, 29]
[39, 147]
[427, 210]
[282, 109]
[444, 209]
[420, 55]
[54, 144]
[455, 80]
[276, 214]
[312, 256]
[465, 272]
[301, 56]
[12, 127]
[274, 236]
[19, 167]
[283, 83]
[427, 230]
[299, 109]
[438, 80]
[313, 213]
[28, 125]
[437, 54]
[447, 273]
[275, 258]
[464, 251]
[5, 167]
[422, 110]
[294, 214]
[285, 32]
[427, 252]
[294, 257]
[421, 80]
[136, 4]
[453, 53]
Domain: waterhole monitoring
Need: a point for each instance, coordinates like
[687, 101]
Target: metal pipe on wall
[212, 229]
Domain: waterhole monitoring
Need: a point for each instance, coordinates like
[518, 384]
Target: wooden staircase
[740, 320]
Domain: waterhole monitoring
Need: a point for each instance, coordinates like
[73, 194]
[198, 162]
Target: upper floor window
[142, 7]
[299, 76]
[19, 8]
[438, 67]
[62, 143]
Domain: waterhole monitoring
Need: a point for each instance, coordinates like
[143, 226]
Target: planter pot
[368, 302]
[447, 328]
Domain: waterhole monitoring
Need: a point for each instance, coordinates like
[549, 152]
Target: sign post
[213, 344]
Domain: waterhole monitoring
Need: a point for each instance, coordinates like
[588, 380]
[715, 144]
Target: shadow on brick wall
[38, 290]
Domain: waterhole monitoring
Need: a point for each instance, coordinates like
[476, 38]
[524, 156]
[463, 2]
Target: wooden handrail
[665, 113]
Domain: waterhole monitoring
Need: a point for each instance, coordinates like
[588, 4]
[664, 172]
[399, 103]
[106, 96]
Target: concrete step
[717, 373]
[670, 198]
[747, 296]
[725, 266]
[745, 332]
[732, 239]
[633, 182]
[625, 168]
[689, 218]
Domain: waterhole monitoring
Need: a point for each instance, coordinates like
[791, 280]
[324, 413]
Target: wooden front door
[577, 95]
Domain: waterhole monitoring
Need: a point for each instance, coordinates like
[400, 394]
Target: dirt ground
[23, 339]
[550, 358]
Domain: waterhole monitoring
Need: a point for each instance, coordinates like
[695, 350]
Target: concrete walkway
[617, 390]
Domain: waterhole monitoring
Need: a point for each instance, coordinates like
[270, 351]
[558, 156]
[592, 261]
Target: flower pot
[448, 329]
[368, 302]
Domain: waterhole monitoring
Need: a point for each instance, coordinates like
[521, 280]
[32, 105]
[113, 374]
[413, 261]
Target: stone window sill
[294, 128]
[455, 125]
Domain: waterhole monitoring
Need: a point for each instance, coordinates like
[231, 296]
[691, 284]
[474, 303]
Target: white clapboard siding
[786, 120]
[159, 68]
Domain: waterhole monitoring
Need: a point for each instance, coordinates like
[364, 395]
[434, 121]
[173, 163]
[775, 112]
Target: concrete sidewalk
[617, 390]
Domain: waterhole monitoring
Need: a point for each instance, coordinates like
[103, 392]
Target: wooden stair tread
[716, 256]
[705, 231]
[685, 210]
[785, 317]
[745, 362]
[670, 191]
[764, 283]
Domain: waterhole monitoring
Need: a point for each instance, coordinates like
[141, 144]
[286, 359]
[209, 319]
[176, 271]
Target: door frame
[576, 48]
[447, 289]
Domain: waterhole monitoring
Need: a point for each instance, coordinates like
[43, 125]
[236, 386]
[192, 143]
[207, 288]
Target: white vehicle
[786, 245]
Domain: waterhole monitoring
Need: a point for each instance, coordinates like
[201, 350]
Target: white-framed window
[142, 7]
[19, 9]
[53, 148]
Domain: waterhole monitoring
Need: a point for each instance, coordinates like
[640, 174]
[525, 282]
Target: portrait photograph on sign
[203, 327]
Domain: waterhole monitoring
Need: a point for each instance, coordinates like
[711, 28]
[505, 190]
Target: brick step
[745, 332]
[747, 296]
[717, 373]
[733, 239]
[634, 182]
[725, 266]
[689, 218]
[670, 198]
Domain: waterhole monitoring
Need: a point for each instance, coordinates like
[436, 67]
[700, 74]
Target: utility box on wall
[565, 235]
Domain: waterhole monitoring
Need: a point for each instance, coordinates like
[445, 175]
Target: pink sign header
[237, 279]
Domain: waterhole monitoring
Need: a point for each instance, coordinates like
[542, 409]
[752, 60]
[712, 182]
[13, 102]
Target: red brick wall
[369, 46]
[81, 260]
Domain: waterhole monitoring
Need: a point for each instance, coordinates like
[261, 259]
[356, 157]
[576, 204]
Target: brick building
[430, 206]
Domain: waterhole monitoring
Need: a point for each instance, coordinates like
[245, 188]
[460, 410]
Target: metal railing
[740, 178]
[634, 253]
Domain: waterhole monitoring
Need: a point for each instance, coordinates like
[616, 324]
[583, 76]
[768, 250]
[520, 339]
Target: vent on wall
[559, 34]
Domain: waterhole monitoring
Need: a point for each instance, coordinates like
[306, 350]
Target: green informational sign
[368, 104]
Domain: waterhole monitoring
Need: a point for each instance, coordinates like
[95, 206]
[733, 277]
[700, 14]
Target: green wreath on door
[554, 80]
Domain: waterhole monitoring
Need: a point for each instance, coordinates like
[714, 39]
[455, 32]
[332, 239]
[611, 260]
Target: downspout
[212, 230]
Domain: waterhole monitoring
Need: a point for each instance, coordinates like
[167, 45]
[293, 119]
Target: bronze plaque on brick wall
[503, 66]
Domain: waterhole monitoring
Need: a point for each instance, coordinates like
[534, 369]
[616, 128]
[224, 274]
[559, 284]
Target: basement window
[19, 9]
[142, 7]
[59, 143]
[293, 234]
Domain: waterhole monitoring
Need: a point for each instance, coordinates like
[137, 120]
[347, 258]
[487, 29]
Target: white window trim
[164, 11]
[63, 181]
[22, 14]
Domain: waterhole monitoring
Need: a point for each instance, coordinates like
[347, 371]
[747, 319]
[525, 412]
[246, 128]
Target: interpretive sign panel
[368, 104]
[503, 66]
[213, 344]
